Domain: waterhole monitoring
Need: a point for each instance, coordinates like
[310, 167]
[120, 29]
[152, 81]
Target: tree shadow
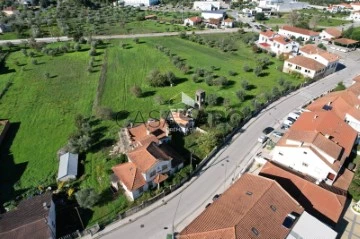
[263, 74]
[10, 173]
[179, 80]
[148, 93]
[106, 196]
[121, 115]
[249, 97]
[251, 87]
[229, 84]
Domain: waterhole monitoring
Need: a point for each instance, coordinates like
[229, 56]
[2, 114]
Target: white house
[228, 23]
[330, 33]
[326, 58]
[355, 16]
[345, 104]
[9, 11]
[283, 45]
[317, 144]
[148, 166]
[342, 7]
[68, 167]
[297, 32]
[192, 21]
[306, 66]
[213, 14]
[355, 6]
[206, 5]
[266, 10]
[140, 2]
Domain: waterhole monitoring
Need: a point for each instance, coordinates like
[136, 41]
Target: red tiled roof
[160, 178]
[300, 30]
[195, 19]
[267, 33]
[344, 179]
[328, 123]
[333, 32]
[312, 49]
[282, 40]
[345, 41]
[28, 220]
[307, 63]
[180, 118]
[154, 130]
[356, 78]
[228, 20]
[236, 213]
[313, 198]
[129, 175]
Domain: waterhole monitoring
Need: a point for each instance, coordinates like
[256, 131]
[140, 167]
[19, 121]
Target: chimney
[315, 116]
[327, 136]
[329, 103]
[147, 131]
[357, 107]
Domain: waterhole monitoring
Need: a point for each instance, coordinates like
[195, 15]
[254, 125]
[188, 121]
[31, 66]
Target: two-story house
[330, 33]
[277, 43]
[317, 144]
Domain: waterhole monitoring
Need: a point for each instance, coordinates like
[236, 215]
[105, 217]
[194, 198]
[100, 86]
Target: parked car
[284, 126]
[287, 122]
[216, 197]
[262, 139]
[291, 119]
[268, 130]
[294, 115]
[278, 134]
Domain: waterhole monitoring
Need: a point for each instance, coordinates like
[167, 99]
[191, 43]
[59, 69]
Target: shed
[68, 167]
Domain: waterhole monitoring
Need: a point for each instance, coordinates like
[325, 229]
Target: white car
[262, 139]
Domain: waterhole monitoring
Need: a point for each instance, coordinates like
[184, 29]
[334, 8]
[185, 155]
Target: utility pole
[82, 224]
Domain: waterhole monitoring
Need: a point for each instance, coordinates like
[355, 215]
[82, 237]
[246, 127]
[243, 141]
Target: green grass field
[43, 110]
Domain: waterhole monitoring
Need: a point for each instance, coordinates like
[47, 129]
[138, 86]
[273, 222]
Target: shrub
[196, 78]
[87, 198]
[246, 68]
[245, 85]
[105, 113]
[232, 73]
[136, 91]
[240, 95]
[257, 70]
[159, 100]
[212, 99]
[221, 81]
[209, 80]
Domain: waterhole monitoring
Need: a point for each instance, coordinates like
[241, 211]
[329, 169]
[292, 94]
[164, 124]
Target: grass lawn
[8, 36]
[42, 114]
[275, 20]
[332, 22]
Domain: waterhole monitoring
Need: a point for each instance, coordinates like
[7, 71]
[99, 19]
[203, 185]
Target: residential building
[266, 36]
[296, 32]
[184, 123]
[330, 33]
[213, 14]
[140, 2]
[317, 145]
[147, 167]
[345, 104]
[34, 217]
[207, 5]
[326, 58]
[346, 42]
[9, 11]
[342, 7]
[355, 6]
[306, 66]
[192, 21]
[321, 203]
[266, 10]
[277, 43]
[355, 16]
[228, 23]
[253, 207]
[68, 167]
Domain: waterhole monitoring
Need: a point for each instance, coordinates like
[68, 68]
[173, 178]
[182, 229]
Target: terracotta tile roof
[129, 175]
[345, 41]
[355, 3]
[29, 218]
[236, 213]
[214, 21]
[307, 63]
[195, 19]
[146, 156]
[180, 118]
[268, 33]
[356, 78]
[143, 132]
[333, 32]
[328, 123]
[282, 40]
[312, 49]
[300, 30]
[228, 20]
[344, 179]
[316, 200]
[340, 102]
[160, 178]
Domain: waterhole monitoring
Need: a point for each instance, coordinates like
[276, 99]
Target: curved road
[183, 205]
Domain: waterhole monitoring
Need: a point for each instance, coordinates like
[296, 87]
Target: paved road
[184, 205]
[162, 34]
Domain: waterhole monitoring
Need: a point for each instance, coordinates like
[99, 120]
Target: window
[152, 174]
[305, 164]
[307, 71]
[305, 152]
[289, 65]
[281, 154]
[298, 67]
[255, 231]
[164, 167]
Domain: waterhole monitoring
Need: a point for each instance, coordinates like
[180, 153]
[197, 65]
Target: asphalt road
[185, 204]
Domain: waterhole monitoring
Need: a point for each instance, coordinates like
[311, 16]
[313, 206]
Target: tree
[159, 100]
[246, 68]
[314, 21]
[293, 18]
[340, 86]
[322, 46]
[241, 95]
[105, 113]
[136, 91]
[245, 84]
[87, 198]
[260, 16]
[257, 70]
[156, 79]
[136, 40]
[212, 99]
[221, 81]
[207, 142]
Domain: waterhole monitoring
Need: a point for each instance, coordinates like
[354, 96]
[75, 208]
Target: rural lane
[182, 206]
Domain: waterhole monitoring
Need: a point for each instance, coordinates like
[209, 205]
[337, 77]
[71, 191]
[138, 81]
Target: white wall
[294, 157]
[355, 16]
[134, 194]
[206, 6]
[280, 48]
[157, 168]
[290, 67]
[354, 123]
[296, 35]
[140, 2]
[325, 35]
[187, 21]
[52, 219]
[208, 15]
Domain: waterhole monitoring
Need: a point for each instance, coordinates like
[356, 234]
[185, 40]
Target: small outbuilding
[68, 167]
